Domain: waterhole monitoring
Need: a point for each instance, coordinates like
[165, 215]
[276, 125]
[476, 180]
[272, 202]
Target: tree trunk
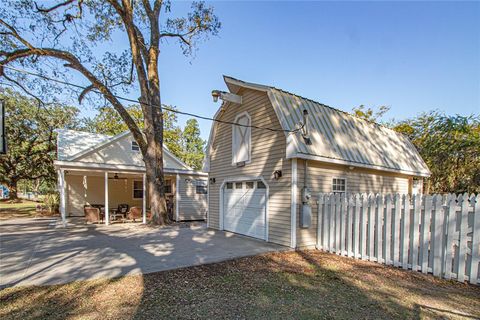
[155, 188]
[12, 190]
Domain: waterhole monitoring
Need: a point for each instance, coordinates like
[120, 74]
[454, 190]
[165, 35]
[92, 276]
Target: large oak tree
[58, 39]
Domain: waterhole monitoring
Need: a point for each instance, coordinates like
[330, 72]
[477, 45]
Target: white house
[261, 179]
[107, 171]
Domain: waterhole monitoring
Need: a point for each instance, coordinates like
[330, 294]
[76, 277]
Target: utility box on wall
[306, 212]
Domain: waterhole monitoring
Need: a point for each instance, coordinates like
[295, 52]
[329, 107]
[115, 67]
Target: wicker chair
[137, 213]
[134, 213]
[92, 214]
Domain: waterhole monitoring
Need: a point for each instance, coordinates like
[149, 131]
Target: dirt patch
[289, 285]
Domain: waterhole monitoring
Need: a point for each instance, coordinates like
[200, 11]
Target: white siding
[192, 206]
[358, 180]
[268, 155]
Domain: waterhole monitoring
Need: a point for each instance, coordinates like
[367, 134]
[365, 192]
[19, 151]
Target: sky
[410, 56]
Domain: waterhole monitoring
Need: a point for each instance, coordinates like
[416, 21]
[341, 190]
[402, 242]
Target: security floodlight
[226, 96]
[215, 95]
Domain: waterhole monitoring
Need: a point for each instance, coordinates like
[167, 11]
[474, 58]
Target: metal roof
[338, 136]
[71, 142]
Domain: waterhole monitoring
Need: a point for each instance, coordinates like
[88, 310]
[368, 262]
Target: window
[241, 139]
[168, 186]
[229, 185]
[137, 189]
[238, 185]
[249, 184]
[135, 146]
[201, 187]
[261, 185]
[339, 185]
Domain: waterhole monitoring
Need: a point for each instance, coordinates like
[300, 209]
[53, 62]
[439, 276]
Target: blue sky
[410, 56]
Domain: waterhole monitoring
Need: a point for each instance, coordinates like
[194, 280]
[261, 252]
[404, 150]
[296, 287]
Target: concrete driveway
[40, 252]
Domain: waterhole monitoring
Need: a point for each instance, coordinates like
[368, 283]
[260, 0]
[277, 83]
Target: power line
[135, 101]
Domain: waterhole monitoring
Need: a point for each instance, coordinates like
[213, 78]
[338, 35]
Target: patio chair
[92, 214]
[134, 213]
[123, 208]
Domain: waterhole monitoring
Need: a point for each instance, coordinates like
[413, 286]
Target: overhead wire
[152, 105]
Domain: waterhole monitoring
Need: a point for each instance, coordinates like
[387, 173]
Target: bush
[52, 202]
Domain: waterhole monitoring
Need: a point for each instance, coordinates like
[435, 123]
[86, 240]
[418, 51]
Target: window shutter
[241, 139]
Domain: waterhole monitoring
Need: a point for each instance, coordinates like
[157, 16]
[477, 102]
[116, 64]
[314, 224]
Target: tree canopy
[450, 145]
[31, 139]
[185, 144]
[74, 37]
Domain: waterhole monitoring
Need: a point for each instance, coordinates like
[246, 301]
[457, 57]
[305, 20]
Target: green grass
[24, 209]
[287, 285]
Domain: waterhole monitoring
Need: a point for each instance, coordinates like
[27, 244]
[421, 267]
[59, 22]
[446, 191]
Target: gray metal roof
[71, 142]
[338, 136]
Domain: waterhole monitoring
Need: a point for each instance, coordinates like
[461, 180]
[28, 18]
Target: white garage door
[244, 208]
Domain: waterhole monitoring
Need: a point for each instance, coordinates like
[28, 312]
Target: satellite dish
[3, 136]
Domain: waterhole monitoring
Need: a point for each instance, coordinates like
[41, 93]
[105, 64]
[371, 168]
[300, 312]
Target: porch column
[63, 202]
[107, 215]
[177, 197]
[144, 198]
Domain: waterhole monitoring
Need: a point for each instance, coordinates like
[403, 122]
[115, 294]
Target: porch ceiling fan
[116, 177]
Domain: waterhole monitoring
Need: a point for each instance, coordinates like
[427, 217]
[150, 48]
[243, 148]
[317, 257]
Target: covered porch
[111, 195]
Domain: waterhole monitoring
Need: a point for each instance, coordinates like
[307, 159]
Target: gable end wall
[268, 155]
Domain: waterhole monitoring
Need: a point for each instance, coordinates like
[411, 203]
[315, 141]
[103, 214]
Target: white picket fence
[437, 234]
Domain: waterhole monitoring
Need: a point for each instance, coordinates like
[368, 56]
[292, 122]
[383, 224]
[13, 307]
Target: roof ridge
[335, 109]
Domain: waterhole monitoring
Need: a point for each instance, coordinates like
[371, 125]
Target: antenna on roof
[305, 134]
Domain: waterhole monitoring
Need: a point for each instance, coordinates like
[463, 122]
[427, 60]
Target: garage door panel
[245, 210]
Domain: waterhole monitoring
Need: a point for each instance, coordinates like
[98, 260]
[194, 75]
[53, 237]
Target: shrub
[52, 201]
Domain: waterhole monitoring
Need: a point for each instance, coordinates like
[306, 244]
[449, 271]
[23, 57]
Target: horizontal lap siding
[93, 192]
[359, 180]
[268, 155]
[192, 206]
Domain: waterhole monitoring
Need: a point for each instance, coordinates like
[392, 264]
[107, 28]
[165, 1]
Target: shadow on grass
[288, 285]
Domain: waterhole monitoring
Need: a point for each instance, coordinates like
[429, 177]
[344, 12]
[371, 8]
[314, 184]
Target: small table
[114, 214]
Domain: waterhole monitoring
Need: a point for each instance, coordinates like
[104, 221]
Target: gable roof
[85, 143]
[71, 142]
[337, 136]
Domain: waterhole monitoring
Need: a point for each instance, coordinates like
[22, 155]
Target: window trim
[133, 189]
[339, 178]
[134, 144]
[168, 185]
[233, 144]
[204, 183]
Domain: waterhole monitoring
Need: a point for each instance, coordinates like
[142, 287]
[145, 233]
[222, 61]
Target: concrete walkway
[40, 252]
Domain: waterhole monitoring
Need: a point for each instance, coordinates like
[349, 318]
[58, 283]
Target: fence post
[350, 219]
[387, 234]
[320, 221]
[425, 237]
[331, 220]
[396, 230]
[475, 202]
[436, 240]
[405, 234]
[415, 232]
[356, 226]
[343, 222]
[371, 225]
[452, 219]
[462, 247]
[363, 229]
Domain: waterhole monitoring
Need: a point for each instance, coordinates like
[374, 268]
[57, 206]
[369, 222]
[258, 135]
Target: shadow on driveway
[37, 252]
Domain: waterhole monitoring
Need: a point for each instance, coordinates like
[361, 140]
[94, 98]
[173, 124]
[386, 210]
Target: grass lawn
[287, 285]
[24, 209]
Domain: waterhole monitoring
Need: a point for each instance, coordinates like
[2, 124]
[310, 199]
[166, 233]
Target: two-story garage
[268, 146]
